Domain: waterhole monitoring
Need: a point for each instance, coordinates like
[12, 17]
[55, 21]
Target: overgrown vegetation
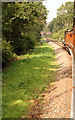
[21, 27]
[62, 22]
[26, 79]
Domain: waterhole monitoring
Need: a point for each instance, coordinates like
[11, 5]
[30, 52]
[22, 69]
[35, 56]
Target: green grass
[26, 79]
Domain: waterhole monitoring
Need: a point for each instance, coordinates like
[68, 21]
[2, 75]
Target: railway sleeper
[67, 49]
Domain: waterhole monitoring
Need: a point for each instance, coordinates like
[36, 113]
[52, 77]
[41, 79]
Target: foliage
[63, 21]
[26, 79]
[6, 53]
[23, 44]
[20, 20]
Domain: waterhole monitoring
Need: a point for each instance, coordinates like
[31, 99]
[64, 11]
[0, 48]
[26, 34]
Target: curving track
[57, 102]
[57, 99]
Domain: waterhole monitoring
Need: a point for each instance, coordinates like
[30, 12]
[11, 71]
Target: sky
[52, 6]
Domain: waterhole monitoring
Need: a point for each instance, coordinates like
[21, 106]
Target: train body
[70, 40]
[70, 37]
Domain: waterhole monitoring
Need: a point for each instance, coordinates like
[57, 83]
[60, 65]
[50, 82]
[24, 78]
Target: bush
[24, 43]
[6, 53]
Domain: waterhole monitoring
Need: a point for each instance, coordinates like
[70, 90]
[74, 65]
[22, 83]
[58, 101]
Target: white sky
[52, 6]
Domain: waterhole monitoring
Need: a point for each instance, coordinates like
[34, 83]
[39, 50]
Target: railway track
[57, 103]
[60, 44]
[57, 98]
[56, 42]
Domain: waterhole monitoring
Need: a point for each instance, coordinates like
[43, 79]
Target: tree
[22, 23]
[63, 20]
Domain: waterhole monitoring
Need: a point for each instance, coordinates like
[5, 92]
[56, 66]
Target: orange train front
[70, 38]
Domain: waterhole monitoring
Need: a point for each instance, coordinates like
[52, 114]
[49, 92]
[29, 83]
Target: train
[69, 41]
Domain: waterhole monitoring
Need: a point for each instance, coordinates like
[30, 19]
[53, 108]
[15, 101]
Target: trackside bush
[24, 44]
[6, 53]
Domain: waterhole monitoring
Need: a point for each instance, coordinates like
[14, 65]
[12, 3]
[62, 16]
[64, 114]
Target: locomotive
[69, 42]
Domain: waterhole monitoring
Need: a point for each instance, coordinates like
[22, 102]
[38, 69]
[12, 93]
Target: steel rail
[73, 70]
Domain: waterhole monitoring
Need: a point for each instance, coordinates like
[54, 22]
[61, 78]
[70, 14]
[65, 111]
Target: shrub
[24, 43]
[6, 53]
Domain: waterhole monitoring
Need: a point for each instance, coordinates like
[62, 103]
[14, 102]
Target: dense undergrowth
[22, 24]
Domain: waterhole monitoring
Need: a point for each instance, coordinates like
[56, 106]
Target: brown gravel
[57, 99]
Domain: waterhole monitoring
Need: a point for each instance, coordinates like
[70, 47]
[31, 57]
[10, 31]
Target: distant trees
[63, 21]
[22, 23]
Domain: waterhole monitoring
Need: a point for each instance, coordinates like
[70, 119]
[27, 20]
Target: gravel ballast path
[57, 100]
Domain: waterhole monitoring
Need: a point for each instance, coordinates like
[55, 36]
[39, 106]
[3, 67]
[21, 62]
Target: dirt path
[57, 99]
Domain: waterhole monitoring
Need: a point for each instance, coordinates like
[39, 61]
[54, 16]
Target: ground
[57, 99]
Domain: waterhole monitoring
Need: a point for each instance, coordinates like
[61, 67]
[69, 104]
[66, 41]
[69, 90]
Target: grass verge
[25, 79]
